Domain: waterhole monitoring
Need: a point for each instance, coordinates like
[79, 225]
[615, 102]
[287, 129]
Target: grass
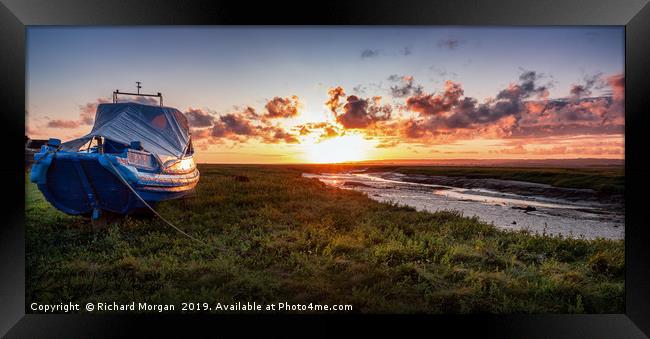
[282, 237]
[606, 180]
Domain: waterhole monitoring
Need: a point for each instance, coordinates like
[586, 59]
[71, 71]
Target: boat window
[141, 160]
[88, 146]
[111, 146]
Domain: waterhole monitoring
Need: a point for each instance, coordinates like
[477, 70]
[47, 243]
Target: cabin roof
[163, 131]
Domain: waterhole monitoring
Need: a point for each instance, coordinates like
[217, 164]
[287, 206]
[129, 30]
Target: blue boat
[135, 155]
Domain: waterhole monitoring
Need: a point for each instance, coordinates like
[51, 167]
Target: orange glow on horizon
[354, 147]
[346, 148]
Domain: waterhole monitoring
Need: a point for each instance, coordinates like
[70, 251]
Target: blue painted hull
[81, 183]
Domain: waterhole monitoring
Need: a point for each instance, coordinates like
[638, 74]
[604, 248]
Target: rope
[119, 175]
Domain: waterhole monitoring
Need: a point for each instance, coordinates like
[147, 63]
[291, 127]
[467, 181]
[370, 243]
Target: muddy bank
[512, 187]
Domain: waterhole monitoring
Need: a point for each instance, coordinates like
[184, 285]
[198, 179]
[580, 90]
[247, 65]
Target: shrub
[610, 263]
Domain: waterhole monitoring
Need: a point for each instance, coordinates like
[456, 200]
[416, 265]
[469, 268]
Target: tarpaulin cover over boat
[163, 131]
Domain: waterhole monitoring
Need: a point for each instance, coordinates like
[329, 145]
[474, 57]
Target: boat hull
[86, 184]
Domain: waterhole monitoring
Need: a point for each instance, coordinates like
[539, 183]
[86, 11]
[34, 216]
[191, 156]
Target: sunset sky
[329, 94]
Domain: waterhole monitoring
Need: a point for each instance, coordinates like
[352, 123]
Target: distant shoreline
[563, 163]
[552, 163]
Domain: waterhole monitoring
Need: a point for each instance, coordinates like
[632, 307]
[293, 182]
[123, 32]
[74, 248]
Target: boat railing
[157, 95]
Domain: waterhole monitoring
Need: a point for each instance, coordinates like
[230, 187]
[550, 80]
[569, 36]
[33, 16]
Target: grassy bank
[606, 180]
[281, 237]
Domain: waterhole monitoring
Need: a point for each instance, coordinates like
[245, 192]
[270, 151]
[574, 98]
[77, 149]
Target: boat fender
[42, 162]
[54, 143]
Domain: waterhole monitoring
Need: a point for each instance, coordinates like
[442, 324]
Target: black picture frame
[15, 15]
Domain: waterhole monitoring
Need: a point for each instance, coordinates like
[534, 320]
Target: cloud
[578, 91]
[303, 130]
[369, 53]
[440, 73]
[238, 127]
[520, 110]
[617, 84]
[88, 110]
[245, 123]
[248, 111]
[63, 124]
[430, 104]
[29, 130]
[275, 134]
[450, 43]
[600, 115]
[412, 129]
[373, 53]
[199, 118]
[329, 132]
[551, 150]
[371, 87]
[589, 148]
[359, 113]
[334, 100]
[394, 77]
[519, 149]
[87, 113]
[526, 88]
[589, 82]
[139, 99]
[359, 89]
[388, 143]
[282, 107]
[325, 129]
[201, 133]
[405, 87]
[232, 123]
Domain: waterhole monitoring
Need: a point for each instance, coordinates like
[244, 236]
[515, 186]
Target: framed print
[477, 167]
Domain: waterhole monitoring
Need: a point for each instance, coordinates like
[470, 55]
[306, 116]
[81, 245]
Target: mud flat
[508, 204]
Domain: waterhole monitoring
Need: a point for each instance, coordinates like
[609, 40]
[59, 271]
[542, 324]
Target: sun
[351, 147]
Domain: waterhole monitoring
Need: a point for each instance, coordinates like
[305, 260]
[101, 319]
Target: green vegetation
[281, 237]
[605, 180]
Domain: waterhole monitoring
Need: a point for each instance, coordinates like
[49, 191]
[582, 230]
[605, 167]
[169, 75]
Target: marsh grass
[281, 237]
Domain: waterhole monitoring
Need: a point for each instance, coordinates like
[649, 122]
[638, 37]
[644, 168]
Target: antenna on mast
[138, 86]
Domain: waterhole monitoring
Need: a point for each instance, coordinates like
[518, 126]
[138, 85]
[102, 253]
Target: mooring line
[119, 175]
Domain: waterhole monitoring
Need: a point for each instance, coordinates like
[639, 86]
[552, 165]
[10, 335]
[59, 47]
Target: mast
[138, 86]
